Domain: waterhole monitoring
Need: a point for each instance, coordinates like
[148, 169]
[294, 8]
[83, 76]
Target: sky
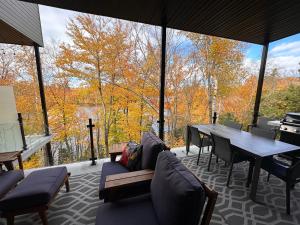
[283, 54]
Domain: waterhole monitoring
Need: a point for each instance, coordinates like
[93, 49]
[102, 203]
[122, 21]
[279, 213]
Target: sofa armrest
[118, 184]
[117, 181]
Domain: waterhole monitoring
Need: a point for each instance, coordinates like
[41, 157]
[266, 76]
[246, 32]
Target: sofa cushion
[177, 195]
[37, 189]
[9, 180]
[133, 211]
[109, 168]
[152, 146]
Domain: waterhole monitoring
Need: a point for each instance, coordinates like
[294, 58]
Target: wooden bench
[7, 158]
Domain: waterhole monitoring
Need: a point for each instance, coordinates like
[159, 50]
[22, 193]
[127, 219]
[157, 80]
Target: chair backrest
[229, 123]
[262, 123]
[222, 147]
[270, 134]
[178, 197]
[195, 136]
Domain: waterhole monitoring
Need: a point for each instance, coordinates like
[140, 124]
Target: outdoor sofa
[176, 197]
[113, 170]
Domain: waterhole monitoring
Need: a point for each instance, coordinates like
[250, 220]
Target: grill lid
[292, 118]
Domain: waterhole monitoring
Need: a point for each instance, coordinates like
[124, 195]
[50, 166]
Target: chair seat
[134, 211]
[37, 189]
[9, 180]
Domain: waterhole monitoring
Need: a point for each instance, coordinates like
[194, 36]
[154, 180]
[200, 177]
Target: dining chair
[289, 174]
[199, 140]
[225, 151]
[270, 134]
[229, 123]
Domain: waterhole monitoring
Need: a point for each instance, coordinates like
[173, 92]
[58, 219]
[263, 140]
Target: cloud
[291, 48]
[54, 22]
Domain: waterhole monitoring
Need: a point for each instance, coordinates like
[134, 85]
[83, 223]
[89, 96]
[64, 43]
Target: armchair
[289, 174]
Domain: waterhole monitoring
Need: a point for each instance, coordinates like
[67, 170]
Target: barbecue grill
[290, 132]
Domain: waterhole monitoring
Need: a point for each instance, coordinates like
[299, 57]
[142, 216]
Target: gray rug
[78, 207]
[234, 206]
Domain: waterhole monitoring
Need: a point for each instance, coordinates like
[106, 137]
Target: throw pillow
[127, 149]
[135, 159]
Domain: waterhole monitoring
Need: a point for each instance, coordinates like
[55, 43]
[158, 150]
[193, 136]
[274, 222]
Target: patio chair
[262, 123]
[177, 197]
[229, 123]
[225, 151]
[289, 174]
[269, 134]
[199, 140]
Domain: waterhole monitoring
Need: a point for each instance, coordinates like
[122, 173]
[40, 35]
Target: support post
[20, 119]
[43, 100]
[162, 81]
[90, 126]
[260, 83]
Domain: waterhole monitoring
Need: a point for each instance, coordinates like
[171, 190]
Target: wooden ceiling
[254, 21]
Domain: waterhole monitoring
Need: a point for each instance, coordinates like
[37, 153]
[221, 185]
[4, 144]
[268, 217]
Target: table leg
[9, 165]
[187, 141]
[255, 178]
[20, 161]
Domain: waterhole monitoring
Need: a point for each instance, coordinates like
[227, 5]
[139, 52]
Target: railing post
[20, 119]
[215, 118]
[90, 126]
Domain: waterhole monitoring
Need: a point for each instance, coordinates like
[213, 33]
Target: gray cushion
[152, 146]
[131, 211]
[109, 168]
[37, 189]
[9, 180]
[177, 195]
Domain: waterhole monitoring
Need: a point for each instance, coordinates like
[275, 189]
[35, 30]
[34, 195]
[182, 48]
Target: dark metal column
[162, 82]
[43, 100]
[260, 83]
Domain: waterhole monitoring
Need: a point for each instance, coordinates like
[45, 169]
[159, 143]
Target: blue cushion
[132, 211]
[9, 180]
[177, 195]
[37, 189]
[109, 168]
[152, 146]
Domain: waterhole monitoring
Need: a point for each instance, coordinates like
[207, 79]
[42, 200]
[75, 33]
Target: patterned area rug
[78, 207]
[234, 206]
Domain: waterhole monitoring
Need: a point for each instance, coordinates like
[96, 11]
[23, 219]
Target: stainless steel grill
[290, 131]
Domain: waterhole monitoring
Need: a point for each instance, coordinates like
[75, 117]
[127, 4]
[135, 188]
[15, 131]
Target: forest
[109, 71]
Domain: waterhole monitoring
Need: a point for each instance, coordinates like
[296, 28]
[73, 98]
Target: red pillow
[124, 158]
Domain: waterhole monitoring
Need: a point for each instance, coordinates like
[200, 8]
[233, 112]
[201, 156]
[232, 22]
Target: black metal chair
[199, 140]
[229, 123]
[225, 151]
[262, 123]
[289, 174]
[270, 134]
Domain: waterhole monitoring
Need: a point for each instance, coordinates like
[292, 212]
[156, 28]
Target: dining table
[250, 144]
